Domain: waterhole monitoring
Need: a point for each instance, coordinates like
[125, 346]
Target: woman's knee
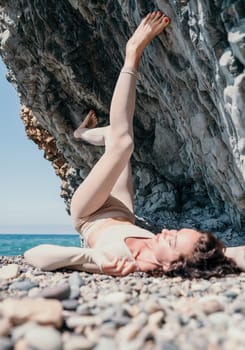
[37, 256]
[124, 145]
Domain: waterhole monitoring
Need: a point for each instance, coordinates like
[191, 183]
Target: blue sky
[29, 189]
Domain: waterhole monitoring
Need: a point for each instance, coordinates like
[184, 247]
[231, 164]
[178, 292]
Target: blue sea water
[17, 244]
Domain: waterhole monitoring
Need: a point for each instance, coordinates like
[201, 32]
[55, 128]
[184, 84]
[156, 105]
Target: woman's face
[170, 245]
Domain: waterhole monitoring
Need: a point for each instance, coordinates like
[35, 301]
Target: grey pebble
[20, 331]
[74, 292]
[239, 307]
[70, 304]
[38, 273]
[184, 319]
[83, 310]
[44, 338]
[4, 285]
[118, 321]
[23, 285]
[116, 313]
[60, 292]
[167, 346]
[6, 343]
[75, 279]
[231, 294]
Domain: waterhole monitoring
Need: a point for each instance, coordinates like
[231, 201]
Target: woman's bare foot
[89, 122]
[88, 132]
[151, 26]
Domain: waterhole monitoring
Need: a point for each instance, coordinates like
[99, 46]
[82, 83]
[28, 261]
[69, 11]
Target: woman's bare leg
[96, 188]
[123, 188]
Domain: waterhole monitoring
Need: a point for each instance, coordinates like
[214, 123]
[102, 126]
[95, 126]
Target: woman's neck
[142, 253]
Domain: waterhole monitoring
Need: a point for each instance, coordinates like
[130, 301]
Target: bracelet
[130, 71]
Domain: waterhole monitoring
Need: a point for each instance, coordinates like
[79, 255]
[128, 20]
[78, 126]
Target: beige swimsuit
[108, 228]
[112, 208]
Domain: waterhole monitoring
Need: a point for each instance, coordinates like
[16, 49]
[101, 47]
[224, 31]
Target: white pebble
[9, 271]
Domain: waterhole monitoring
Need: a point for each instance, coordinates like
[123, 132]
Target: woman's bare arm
[50, 257]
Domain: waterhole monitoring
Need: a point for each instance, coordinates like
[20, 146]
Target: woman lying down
[102, 206]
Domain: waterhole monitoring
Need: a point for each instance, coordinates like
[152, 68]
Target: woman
[102, 206]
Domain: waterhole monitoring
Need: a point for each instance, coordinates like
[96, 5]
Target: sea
[16, 244]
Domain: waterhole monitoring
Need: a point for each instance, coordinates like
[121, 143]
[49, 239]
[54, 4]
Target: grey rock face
[189, 170]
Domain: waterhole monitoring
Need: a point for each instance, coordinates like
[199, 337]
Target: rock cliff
[189, 160]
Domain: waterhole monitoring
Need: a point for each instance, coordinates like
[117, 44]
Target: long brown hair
[206, 260]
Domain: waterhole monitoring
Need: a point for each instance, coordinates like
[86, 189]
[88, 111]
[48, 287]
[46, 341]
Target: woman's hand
[118, 267]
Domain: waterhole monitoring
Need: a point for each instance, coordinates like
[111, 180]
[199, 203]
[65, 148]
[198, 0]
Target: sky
[30, 199]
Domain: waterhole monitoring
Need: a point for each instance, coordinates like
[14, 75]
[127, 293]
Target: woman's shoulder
[113, 239]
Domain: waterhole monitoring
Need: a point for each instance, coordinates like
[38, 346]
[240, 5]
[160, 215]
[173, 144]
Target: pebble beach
[70, 310]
